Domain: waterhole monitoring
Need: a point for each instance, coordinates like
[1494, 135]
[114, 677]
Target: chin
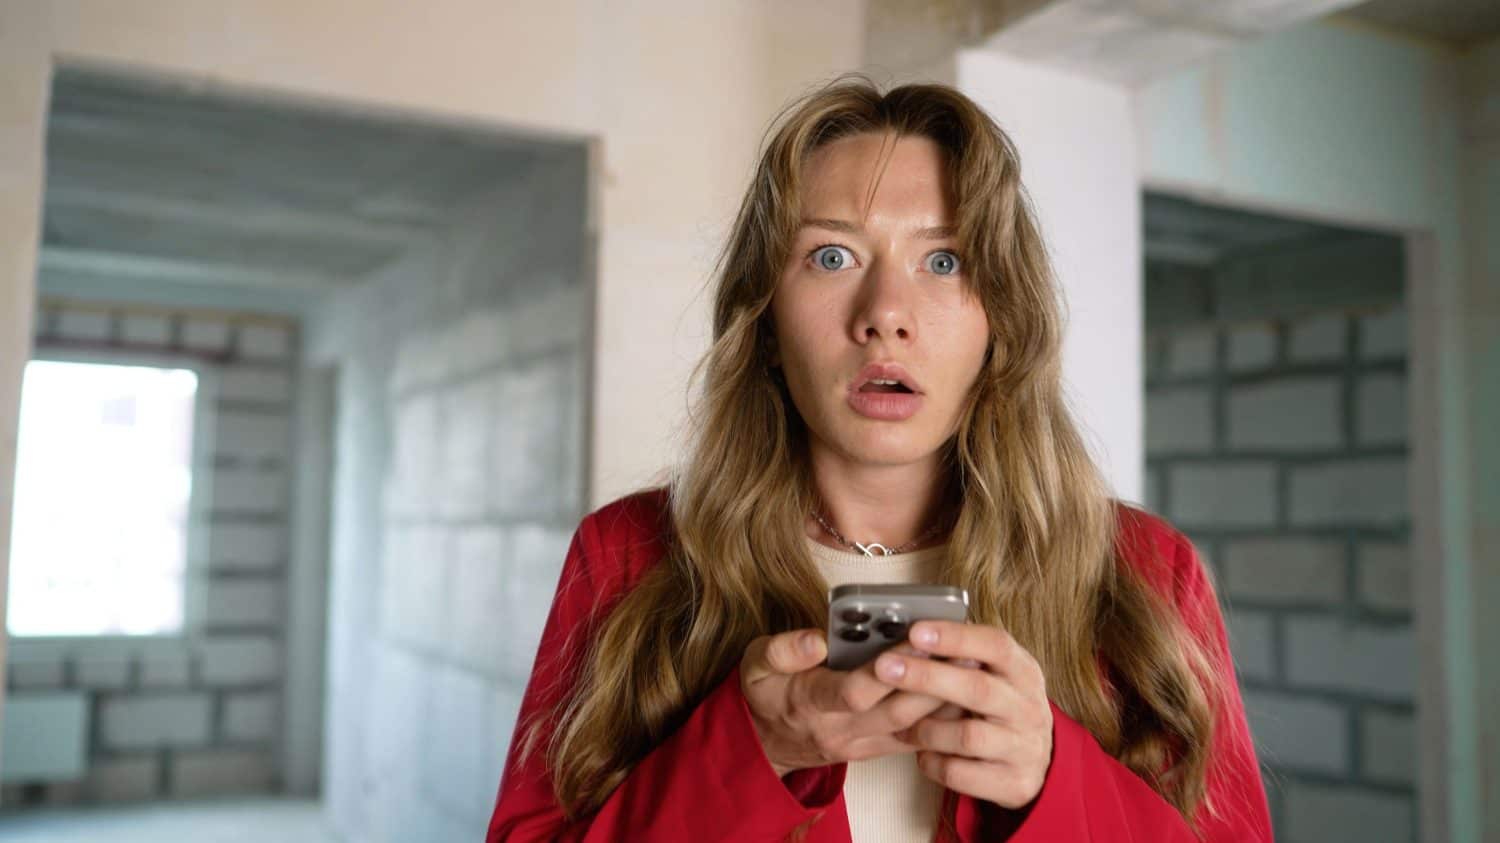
[889, 447]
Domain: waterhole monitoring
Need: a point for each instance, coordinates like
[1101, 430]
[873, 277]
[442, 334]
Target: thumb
[784, 654]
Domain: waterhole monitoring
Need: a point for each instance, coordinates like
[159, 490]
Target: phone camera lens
[892, 630]
[855, 616]
[854, 634]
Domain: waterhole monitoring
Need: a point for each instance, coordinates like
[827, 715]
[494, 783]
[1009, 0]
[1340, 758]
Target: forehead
[907, 174]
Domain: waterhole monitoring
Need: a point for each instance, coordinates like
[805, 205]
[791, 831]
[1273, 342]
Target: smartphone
[865, 620]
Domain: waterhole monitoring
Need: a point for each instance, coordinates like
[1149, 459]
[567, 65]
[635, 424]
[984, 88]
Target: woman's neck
[889, 504]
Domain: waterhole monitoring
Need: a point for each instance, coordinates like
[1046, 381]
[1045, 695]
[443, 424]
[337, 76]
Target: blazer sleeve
[695, 785]
[1089, 795]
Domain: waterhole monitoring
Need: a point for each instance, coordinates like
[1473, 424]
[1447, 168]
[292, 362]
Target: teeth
[884, 382]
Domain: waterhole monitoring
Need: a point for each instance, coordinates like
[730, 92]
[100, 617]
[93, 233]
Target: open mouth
[885, 392]
[889, 378]
[885, 385]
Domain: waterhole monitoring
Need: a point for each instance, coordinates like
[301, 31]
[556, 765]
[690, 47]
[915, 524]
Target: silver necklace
[869, 549]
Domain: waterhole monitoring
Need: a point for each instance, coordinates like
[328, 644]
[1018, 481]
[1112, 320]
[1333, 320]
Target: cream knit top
[888, 798]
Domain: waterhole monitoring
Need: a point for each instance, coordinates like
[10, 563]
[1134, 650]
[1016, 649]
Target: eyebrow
[936, 232]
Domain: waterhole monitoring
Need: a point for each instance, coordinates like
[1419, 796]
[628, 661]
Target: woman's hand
[808, 716]
[1002, 750]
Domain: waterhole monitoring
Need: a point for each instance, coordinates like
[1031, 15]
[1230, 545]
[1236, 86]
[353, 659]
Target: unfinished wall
[1339, 122]
[1276, 436]
[460, 464]
[676, 102]
[197, 714]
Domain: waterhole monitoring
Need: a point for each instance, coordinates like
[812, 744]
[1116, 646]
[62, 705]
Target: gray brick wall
[462, 396]
[197, 714]
[1278, 441]
[481, 499]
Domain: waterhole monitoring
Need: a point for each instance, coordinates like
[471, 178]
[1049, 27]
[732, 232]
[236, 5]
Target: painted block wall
[460, 472]
[1276, 437]
[197, 714]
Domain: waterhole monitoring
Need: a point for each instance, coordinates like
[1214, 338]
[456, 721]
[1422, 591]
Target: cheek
[966, 341]
[804, 332]
[792, 352]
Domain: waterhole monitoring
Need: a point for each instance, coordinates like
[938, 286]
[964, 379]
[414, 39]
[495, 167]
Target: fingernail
[924, 635]
[890, 667]
[810, 643]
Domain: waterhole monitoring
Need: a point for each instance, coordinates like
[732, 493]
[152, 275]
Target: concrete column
[1480, 81]
[1087, 196]
[23, 103]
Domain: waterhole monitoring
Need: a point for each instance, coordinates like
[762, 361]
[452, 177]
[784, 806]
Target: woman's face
[876, 331]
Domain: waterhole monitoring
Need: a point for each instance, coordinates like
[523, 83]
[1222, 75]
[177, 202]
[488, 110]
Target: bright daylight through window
[103, 478]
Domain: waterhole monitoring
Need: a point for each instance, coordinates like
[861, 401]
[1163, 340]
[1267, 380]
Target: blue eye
[832, 258]
[942, 263]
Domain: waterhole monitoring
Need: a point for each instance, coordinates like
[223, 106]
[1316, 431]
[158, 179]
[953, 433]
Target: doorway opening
[388, 317]
[1277, 438]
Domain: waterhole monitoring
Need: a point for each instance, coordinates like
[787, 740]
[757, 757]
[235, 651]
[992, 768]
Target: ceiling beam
[1180, 250]
[256, 220]
[918, 40]
[130, 267]
[1135, 41]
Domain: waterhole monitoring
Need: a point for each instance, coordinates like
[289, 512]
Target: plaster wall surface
[1480, 80]
[1087, 199]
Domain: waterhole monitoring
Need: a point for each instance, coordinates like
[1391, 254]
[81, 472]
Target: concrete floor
[227, 821]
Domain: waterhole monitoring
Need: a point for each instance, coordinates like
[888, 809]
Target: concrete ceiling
[157, 183]
[1185, 232]
[1462, 23]
[1134, 41]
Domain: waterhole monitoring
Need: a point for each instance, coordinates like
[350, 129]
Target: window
[103, 480]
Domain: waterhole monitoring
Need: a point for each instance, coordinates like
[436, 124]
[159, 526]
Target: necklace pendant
[869, 549]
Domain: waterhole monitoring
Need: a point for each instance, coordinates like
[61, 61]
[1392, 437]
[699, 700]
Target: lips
[885, 392]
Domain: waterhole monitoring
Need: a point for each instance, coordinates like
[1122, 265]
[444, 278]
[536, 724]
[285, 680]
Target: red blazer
[711, 781]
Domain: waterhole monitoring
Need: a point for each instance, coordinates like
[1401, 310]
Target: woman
[884, 378]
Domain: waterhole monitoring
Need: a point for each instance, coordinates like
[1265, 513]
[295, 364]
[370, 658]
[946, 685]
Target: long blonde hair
[1034, 540]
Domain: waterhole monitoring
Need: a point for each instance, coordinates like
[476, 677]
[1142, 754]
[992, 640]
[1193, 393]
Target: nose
[884, 308]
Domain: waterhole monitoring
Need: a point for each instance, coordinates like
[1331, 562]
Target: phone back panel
[864, 620]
